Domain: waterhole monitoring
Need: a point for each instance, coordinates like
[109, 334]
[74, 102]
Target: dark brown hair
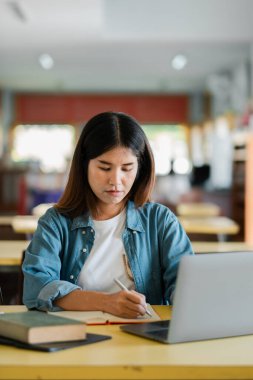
[102, 133]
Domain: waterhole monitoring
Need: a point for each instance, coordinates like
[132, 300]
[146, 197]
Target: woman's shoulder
[150, 215]
[50, 212]
[53, 215]
[157, 207]
[158, 210]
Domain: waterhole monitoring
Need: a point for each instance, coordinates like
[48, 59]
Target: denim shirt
[153, 239]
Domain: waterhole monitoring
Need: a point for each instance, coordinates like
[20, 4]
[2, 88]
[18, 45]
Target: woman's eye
[105, 169]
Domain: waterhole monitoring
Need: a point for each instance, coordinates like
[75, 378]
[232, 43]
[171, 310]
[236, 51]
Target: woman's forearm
[82, 300]
[128, 304]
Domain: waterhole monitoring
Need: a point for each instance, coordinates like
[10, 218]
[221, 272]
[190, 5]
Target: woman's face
[111, 176]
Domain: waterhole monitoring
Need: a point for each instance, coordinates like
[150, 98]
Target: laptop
[213, 299]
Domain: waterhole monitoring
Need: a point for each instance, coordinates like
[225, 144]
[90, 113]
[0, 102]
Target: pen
[123, 287]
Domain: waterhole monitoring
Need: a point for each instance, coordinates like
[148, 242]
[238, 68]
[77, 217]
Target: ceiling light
[46, 61]
[179, 62]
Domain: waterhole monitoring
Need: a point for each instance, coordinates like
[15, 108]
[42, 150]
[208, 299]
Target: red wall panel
[76, 109]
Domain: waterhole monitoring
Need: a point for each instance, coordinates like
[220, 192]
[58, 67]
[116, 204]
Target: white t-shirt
[106, 259]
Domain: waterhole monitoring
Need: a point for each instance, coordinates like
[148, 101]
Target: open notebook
[101, 318]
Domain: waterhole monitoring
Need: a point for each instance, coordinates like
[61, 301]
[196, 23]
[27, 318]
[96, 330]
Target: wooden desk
[218, 225]
[11, 251]
[198, 209]
[211, 246]
[6, 230]
[6, 220]
[129, 357]
[26, 224]
[40, 209]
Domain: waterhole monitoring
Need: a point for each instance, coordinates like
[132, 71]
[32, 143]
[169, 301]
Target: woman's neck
[105, 212]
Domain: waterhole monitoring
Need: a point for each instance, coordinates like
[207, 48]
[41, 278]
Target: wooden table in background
[196, 209]
[6, 220]
[219, 225]
[212, 246]
[215, 225]
[25, 224]
[11, 252]
[6, 230]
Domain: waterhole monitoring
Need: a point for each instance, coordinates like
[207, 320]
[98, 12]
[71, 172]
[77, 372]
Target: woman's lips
[114, 193]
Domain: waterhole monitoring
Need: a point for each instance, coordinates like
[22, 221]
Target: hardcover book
[40, 327]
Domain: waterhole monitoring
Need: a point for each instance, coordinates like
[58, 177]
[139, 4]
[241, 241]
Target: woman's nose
[115, 178]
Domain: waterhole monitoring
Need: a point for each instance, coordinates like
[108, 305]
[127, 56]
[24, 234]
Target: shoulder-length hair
[102, 133]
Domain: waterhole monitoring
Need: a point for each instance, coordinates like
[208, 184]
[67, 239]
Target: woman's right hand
[126, 304]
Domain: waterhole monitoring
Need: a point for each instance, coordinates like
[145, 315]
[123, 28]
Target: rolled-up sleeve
[175, 244]
[42, 267]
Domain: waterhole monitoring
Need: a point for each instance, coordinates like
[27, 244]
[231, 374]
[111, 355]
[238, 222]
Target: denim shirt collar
[82, 221]
[133, 221]
[133, 218]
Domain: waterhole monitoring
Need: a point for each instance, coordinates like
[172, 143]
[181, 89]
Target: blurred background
[182, 68]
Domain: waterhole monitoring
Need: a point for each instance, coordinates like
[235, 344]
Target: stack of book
[42, 331]
[40, 327]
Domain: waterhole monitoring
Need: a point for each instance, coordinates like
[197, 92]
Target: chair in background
[19, 296]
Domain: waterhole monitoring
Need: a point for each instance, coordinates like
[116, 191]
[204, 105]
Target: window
[170, 148]
[50, 146]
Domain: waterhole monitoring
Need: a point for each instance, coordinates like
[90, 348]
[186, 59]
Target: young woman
[105, 227]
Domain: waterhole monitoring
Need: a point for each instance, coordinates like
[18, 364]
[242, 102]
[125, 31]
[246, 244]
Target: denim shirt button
[92, 230]
[83, 232]
[71, 277]
[134, 232]
[84, 250]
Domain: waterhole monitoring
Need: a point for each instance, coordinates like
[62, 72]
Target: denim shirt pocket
[131, 242]
[81, 250]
